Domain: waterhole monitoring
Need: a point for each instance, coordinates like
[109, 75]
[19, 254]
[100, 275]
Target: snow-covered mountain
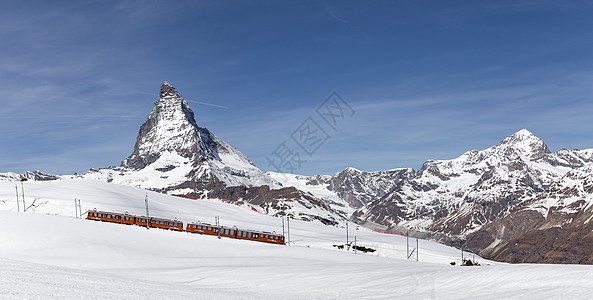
[173, 154]
[348, 190]
[35, 175]
[458, 196]
[508, 194]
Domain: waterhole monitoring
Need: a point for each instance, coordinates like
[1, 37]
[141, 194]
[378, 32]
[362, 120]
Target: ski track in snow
[52, 254]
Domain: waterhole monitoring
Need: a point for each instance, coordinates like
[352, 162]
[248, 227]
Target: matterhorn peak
[167, 91]
[170, 143]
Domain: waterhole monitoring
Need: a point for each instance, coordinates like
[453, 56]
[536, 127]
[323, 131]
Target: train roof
[235, 227]
[128, 214]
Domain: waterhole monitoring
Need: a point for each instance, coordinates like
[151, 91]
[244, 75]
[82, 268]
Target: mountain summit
[525, 144]
[171, 146]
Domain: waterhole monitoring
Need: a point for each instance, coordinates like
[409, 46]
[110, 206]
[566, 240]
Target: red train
[201, 228]
[205, 228]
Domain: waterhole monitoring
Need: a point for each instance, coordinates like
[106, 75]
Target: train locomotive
[196, 227]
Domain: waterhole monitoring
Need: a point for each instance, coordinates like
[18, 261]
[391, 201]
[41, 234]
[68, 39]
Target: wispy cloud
[333, 12]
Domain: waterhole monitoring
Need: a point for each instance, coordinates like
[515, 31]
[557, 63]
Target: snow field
[58, 255]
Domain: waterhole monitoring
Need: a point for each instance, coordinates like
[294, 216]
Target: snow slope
[47, 251]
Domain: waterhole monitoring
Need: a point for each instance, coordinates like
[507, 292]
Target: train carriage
[205, 228]
[266, 237]
[271, 237]
[160, 223]
[228, 232]
[111, 217]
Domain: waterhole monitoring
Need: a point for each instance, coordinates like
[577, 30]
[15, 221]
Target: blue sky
[426, 79]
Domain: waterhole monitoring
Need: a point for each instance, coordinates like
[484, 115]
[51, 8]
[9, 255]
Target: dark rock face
[526, 236]
[360, 188]
[34, 176]
[39, 176]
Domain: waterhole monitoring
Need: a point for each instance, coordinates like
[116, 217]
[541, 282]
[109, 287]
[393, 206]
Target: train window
[255, 235]
[232, 231]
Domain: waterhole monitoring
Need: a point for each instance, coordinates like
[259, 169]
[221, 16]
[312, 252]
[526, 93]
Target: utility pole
[79, 209]
[288, 228]
[18, 207]
[24, 206]
[417, 249]
[407, 246]
[354, 244]
[462, 256]
[283, 227]
[146, 203]
[347, 236]
[75, 208]
[218, 225]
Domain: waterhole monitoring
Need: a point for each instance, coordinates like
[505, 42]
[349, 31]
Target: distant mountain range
[514, 201]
